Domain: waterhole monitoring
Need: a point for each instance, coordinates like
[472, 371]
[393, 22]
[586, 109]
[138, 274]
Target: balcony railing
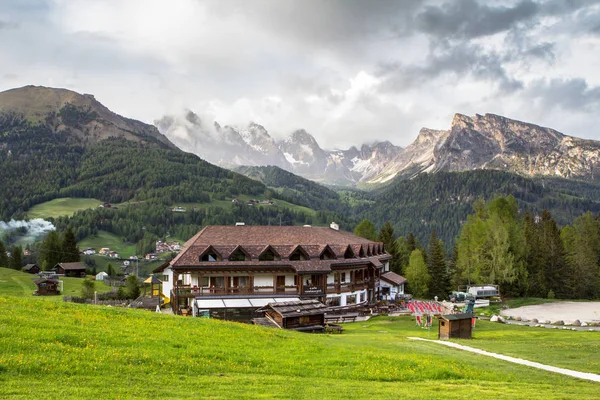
[347, 286]
[188, 291]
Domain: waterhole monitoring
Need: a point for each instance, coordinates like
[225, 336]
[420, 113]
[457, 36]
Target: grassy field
[63, 206]
[55, 350]
[107, 239]
[20, 284]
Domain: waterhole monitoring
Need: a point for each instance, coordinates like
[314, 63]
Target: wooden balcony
[191, 292]
[347, 286]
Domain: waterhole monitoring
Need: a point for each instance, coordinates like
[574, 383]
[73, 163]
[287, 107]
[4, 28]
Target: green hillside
[58, 350]
[61, 207]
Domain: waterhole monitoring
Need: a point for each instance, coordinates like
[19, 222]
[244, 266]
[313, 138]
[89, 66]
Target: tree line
[525, 254]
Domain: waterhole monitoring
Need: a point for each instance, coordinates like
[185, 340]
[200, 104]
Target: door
[280, 284]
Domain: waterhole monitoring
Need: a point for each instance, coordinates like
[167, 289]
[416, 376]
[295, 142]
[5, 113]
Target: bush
[87, 289]
[551, 294]
[133, 287]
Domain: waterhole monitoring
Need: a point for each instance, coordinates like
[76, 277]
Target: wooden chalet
[32, 269]
[47, 287]
[455, 326]
[302, 315]
[72, 269]
[246, 267]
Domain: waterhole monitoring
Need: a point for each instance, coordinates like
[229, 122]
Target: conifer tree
[388, 237]
[3, 257]
[16, 258]
[70, 250]
[437, 268]
[553, 257]
[50, 251]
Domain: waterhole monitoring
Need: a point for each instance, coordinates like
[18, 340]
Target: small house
[301, 315]
[101, 275]
[113, 254]
[73, 269]
[391, 285]
[104, 250]
[47, 287]
[455, 326]
[32, 269]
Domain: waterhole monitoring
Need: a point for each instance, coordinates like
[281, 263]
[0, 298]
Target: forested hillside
[442, 201]
[294, 188]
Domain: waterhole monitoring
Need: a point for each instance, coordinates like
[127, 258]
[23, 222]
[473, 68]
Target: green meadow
[66, 206]
[55, 350]
[107, 239]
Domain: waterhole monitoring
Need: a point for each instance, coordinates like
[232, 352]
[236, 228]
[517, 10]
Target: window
[334, 301]
[165, 278]
[349, 253]
[351, 299]
[217, 281]
[299, 255]
[269, 255]
[240, 281]
[210, 255]
[327, 254]
[385, 291]
[361, 253]
[343, 278]
[238, 255]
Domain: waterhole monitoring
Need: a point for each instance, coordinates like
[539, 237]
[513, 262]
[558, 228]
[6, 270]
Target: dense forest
[523, 253]
[441, 202]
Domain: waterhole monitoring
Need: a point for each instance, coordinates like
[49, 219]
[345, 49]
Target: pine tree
[437, 268]
[533, 259]
[16, 258]
[70, 250]
[110, 270]
[3, 257]
[133, 287]
[50, 251]
[388, 237]
[553, 257]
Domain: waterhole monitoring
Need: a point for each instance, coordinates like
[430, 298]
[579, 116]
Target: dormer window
[327, 254]
[349, 253]
[269, 255]
[210, 255]
[299, 255]
[239, 255]
[361, 252]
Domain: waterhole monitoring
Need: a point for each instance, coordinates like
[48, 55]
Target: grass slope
[20, 284]
[107, 239]
[65, 206]
[78, 351]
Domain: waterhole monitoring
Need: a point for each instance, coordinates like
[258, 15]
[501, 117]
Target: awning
[240, 303]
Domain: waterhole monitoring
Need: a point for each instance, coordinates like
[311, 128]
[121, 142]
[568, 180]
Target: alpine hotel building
[230, 271]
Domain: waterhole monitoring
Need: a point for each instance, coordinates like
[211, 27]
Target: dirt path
[569, 372]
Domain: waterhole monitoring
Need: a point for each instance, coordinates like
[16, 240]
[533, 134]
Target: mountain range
[480, 142]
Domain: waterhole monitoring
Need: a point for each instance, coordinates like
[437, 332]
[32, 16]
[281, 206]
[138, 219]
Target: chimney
[334, 226]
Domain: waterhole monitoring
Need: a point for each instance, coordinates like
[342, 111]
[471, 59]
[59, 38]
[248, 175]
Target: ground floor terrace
[342, 287]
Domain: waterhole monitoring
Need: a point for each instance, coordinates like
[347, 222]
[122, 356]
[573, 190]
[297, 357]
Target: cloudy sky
[347, 71]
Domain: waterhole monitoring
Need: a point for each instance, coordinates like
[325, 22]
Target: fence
[114, 282]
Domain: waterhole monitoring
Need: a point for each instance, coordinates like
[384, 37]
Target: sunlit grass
[52, 349]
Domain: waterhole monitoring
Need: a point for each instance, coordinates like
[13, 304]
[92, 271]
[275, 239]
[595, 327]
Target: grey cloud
[458, 60]
[470, 19]
[570, 94]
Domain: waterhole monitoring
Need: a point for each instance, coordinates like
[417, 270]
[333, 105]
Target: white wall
[167, 286]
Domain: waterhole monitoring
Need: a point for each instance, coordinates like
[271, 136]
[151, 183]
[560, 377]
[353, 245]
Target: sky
[348, 71]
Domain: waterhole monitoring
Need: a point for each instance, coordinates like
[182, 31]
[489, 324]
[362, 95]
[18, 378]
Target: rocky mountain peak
[79, 115]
